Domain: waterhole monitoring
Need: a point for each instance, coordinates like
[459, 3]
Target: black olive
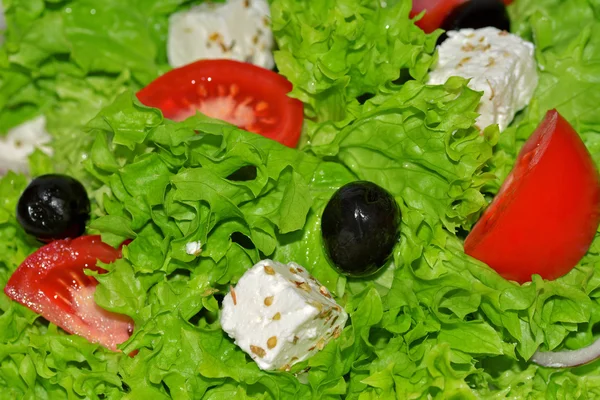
[477, 14]
[53, 207]
[360, 226]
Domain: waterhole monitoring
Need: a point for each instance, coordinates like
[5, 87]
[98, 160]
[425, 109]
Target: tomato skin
[179, 92]
[51, 283]
[547, 212]
[436, 12]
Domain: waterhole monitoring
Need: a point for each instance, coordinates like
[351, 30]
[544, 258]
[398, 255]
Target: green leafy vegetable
[433, 324]
[67, 60]
[335, 51]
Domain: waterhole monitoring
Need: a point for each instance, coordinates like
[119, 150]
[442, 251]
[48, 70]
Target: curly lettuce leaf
[418, 142]
[433, 324]
[335, 51]
[567, 39]
[451, 326]
[67, 60]
[164, 185]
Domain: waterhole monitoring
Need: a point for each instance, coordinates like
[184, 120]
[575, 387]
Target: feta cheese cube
[280, 315]
[237, 30]
[20, 142]
[499, 64]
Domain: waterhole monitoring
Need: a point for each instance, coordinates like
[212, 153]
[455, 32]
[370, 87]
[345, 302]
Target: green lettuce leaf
[67, 60]
[434, 323]
[335, 51]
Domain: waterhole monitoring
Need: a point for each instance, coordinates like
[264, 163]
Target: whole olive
[53, 207]
[360, 227]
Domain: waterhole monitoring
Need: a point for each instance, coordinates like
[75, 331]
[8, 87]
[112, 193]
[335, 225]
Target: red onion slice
[567, 358]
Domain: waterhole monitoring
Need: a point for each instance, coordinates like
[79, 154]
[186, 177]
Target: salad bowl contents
[208, 248]
[52, 282]
[521, 234]
[250, 97]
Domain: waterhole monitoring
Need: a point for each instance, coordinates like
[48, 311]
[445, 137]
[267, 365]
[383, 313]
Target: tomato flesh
[547, 212]
[245, 95]
[52, 283]
[436, 11]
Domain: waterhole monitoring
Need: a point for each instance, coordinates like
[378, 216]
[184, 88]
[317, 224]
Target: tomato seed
[201, 90]
[261, 106]
[234, 90]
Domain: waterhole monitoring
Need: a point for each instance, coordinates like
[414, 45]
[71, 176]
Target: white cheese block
[280, 315]
[237, 30]
[20, 142]
[499, 64]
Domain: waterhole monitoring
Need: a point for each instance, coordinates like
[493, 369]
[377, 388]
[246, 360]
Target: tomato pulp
[250, 97]
[547, 212]
[52, 283]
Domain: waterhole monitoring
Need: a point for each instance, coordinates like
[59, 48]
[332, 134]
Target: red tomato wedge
[245, 95]
[52, 283]
[436, 12]
[546, 213]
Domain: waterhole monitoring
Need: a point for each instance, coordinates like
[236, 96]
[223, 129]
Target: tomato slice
[52, 283]
[436, 11]
[546, 213]
[248, 96]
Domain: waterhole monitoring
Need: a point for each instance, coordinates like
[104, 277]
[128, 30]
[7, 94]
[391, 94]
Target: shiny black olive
[477, 14]
[360, 226]
[53, 207]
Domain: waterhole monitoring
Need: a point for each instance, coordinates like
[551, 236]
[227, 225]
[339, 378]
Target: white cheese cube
[237, 30]
[280, 315]
[499, 64]
[20, 142]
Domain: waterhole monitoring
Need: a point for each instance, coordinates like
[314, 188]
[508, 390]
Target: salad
[181, 207]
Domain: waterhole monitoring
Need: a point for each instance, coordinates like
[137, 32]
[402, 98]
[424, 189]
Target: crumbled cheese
[499, 64]
[236, 29]
[280, 315]
[193, 248]
[20, 142]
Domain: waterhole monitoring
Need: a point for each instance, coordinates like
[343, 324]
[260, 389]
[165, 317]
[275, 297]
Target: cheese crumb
[193, 248]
